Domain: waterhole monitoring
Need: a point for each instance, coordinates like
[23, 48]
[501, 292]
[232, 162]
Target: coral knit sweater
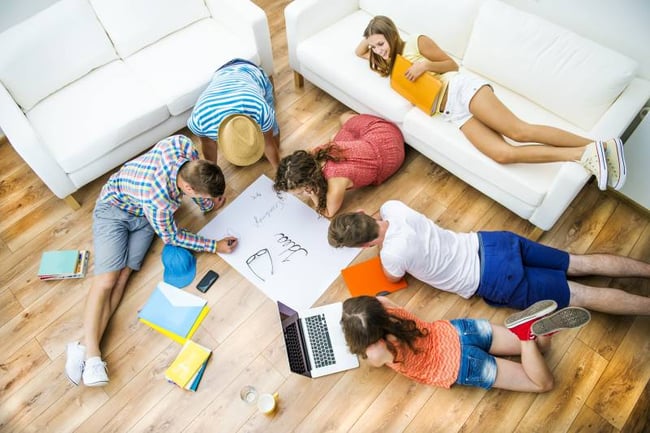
[438, 360]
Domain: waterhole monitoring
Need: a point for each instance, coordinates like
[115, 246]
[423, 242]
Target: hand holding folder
[422, 92]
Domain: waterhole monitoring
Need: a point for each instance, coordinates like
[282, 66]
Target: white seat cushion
[132, 25]
[332, 50]
[561, 71]
[50, 49]
[96, 114]
[180, 66]
[528, 182]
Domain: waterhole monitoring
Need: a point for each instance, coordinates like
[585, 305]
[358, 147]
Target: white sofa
[88, 84]
[542, 72]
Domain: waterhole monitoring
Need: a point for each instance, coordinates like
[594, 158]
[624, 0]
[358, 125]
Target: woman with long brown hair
[462, 351]
[469, 102]
[367, 150]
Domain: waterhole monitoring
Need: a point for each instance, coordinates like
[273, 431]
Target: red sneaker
[520, 323]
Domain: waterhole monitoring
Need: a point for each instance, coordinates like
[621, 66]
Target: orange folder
[368, 278]
[422, 92]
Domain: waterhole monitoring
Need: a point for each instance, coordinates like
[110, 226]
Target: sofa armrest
[570, 180]
[622, 112]
[28, 144]
[304, 18]
[244, 14]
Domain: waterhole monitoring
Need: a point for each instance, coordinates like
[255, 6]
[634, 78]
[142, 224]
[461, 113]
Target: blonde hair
[382, 25]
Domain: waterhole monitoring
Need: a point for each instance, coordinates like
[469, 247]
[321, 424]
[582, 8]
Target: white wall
[623, 25]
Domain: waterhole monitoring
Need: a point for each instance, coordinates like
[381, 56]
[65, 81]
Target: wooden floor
[602, 371]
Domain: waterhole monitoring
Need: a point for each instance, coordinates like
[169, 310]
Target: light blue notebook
[59, 262]
[172, 309]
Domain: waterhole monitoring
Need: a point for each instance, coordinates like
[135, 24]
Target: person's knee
[504, 155]
[105, 282]
[546, 385]
[520, 132]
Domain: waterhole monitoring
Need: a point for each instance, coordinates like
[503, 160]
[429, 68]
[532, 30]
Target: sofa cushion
[87, 119]
[332, 51]
[448, 23]
[133, 25]
[51, 49]
[179, 83]
[563, 72]
[528, 182]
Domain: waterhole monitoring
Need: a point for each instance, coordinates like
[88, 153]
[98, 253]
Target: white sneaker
[74, 362]
[95, 372]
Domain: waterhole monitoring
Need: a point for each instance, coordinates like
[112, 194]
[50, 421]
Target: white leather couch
[88, 84]
[542, 72]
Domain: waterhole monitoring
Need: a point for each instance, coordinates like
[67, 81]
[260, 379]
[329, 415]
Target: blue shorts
[517, 272]
[120, 239]
[477, 366]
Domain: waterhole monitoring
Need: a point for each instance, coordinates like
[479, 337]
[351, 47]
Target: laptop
[314, 340]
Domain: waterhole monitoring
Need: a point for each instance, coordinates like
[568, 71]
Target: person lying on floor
[502, 267]
[463, 351]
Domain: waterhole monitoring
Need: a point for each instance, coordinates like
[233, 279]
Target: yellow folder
[422, 92]
[188, 362]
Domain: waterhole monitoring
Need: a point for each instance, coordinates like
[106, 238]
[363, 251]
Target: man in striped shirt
[137, 202]
[237, 88]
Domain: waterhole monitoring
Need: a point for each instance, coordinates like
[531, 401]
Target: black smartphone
[208, 279]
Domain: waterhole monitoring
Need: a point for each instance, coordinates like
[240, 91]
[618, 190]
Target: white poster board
[282, 244]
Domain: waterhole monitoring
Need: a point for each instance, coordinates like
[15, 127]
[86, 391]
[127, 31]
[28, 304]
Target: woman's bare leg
[487, 108]
[492, 144]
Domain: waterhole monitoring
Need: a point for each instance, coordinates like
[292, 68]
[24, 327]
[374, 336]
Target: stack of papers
[187, 369]
[174, 312]
[59, 265]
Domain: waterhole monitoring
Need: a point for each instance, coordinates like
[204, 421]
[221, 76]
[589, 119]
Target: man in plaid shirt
[136, 202]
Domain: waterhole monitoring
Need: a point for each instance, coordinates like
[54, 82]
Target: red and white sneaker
[566, 318]
[520, 323]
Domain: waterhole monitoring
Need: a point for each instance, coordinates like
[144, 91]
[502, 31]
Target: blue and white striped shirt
[240, 88]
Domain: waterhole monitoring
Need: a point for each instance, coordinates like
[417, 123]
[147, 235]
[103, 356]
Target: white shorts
[461, 90]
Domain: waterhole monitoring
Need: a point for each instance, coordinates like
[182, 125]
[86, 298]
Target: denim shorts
[120, 239]
[517, 272]
[477, 366]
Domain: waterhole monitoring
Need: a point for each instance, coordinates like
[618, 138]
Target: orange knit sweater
[438, 360]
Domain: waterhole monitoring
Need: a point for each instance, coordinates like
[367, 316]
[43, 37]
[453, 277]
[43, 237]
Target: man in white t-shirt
[503, 268]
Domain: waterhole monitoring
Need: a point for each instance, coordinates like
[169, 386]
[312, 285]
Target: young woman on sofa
[367, 150]
[470, 103]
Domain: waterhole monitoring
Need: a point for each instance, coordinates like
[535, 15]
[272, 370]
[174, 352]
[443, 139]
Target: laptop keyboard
[319, 337]
[293, 348]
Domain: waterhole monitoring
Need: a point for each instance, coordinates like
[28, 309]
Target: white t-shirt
[441, 258]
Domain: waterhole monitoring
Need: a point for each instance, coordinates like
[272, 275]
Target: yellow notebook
[179, 338]
[422, 92]
[188, 362]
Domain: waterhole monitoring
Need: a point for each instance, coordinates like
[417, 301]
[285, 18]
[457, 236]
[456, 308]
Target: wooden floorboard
[602, 371]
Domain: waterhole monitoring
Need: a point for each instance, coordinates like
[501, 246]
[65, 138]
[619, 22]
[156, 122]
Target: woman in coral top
[469, 103]
[462, 351]
[366, 151]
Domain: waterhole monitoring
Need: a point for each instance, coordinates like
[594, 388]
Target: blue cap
[180, 266]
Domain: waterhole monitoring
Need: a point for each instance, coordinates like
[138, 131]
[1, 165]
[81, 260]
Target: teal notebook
[62, 262]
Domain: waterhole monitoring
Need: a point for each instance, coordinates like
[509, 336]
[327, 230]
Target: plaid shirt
[146, 186]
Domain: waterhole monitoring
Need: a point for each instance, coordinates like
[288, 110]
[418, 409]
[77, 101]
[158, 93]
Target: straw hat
[241, 140]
